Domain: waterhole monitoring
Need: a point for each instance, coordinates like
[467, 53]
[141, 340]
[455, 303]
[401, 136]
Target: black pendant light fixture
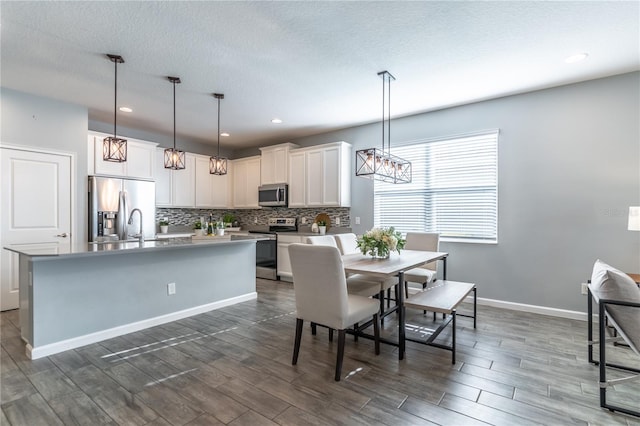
[377, 164]
[113, 147]
[218, 164]
[173, 158]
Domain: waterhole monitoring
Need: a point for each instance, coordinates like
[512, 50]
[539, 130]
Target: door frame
[73, 226]
[73, 177]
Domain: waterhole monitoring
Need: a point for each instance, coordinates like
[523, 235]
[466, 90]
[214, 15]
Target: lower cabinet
[284, 262]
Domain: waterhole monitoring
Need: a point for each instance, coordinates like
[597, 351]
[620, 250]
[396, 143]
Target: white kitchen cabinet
[274, 163]
[139, 164]
[184, 183]
[297, 176]
[164, 180]
[284, 261]
[211, 191]
[246, 180]
[221, 188]
[203, 182]
[320, 176]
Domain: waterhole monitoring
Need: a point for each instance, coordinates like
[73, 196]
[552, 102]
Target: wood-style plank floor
[233, 366]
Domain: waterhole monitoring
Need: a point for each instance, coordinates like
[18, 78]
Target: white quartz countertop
[121, 247]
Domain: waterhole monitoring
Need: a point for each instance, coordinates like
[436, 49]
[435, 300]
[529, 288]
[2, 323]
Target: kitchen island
[89, 292]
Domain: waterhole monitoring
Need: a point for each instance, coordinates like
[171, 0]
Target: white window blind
[454, 190]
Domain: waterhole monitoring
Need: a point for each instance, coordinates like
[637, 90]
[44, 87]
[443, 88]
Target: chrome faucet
[139, 236]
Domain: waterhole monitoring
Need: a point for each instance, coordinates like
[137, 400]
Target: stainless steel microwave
[276, 195]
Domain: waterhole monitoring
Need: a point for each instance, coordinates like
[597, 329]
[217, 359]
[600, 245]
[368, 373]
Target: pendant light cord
[115, 100]
[218, 127]
[174, 115]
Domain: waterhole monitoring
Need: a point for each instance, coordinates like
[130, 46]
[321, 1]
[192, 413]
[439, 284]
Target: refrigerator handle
[123, 210]
[93, 209]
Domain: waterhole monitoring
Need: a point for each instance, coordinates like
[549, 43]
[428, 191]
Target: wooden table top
[407, 259]
[635, 277]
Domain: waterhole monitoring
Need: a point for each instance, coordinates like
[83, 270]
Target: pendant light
[114, 148]
[377, 164]
[173, 158]
[218, 164]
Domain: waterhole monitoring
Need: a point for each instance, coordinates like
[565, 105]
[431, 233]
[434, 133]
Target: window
[454, 190]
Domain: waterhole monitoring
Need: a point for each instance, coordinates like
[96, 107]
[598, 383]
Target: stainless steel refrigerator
[111, 202]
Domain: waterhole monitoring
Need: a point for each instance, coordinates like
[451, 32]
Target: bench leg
[603, 363]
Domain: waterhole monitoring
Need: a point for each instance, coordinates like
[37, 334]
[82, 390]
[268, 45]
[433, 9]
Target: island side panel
[72, 298]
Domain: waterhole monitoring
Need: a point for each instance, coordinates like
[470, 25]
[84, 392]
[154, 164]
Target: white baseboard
[534, 309]
[87, 339]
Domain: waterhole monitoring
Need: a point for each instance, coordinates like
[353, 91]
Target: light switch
[337, 221]
[357, 220]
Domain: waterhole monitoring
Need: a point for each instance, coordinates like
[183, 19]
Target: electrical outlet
[337, 221]
[255, 220]
[357, 220]
[303, 220]
[584, 289]
[171, 288]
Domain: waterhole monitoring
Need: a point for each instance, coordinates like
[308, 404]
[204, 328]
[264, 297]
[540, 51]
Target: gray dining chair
[427, 273]
[320, 289]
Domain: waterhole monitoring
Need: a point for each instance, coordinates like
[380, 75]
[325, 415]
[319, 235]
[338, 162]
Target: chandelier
[218, 164]
[380, 164]
[173, 158]
[113, 147]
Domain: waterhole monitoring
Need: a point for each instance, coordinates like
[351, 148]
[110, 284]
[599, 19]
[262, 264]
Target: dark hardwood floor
[233, 366]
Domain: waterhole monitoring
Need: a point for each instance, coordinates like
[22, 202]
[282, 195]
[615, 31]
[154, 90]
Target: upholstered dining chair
[321, 296]
[348, 244]
[425, 274]
[356, 283]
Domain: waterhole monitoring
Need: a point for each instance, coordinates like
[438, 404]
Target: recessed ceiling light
[125, 109]
[576, 58]
[225, 134]
[276, 121]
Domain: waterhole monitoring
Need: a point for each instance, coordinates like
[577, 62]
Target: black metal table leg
[444, 268]
[401, 316]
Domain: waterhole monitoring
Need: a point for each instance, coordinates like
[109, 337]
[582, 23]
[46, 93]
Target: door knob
[63, 235]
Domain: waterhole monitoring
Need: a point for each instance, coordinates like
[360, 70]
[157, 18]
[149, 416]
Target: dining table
[395, 265]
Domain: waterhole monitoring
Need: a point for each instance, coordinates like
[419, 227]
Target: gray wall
[38, 122]
[569, 168]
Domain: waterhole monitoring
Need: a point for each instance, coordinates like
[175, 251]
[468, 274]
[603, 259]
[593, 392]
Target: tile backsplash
[253, 217]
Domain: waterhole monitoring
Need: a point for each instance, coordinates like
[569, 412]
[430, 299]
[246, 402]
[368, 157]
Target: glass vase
[378, 253]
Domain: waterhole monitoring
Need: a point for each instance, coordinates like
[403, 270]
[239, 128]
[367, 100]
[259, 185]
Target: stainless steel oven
[267, 249]
[266, 257]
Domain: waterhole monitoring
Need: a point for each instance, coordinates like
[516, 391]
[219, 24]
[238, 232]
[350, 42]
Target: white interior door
[35, 208]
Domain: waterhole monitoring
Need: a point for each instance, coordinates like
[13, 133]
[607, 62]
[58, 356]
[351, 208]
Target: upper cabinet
[274, 163]
[320, 176]
[246, 180]
[184, 183]
[192, 187]
[212, 191]
[139, 164]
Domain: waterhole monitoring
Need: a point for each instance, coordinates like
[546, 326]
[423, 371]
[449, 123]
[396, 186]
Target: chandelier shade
[174, 158]
[380, 164]
[218, 164]
[377, 164]
[115, 148]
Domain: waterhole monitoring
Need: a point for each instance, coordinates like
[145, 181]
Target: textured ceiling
[312, 64]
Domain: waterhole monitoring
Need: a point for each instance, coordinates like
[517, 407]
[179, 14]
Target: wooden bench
[443, 297]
